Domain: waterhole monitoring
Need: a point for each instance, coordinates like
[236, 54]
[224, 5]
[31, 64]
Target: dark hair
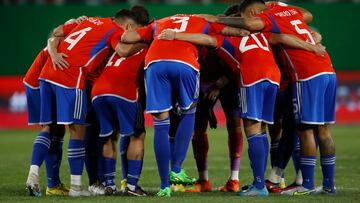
[232, 9]
[246, 3]
[125, 13]
[141, 14]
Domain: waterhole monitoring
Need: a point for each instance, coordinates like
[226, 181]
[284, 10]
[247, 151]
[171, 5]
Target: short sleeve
[216, 28]
[67, 28]
[146, 33]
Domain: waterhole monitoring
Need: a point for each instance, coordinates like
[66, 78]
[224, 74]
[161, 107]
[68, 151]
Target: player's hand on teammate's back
[320, 50]
[58, 60]
[213, 93]
[167, 34]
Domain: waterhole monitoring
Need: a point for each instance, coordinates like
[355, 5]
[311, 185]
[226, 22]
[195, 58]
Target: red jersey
[253, 55]
[120, 77]
[31, 78]
[179, 51]
[289, 20]
[83, 44]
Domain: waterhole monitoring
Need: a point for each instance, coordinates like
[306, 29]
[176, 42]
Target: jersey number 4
[75, 37]
[180, 20]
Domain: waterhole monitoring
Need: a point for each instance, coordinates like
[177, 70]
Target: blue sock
[328, 170]
[101, 168]
[257, 158]
[182, 138]
[296, 154]
[266, 149]
[124, 143]
[76, 156]
[162, 149]
[40, 148]
[109, 172]
[134, 172]
[307, 166]
[52, 162]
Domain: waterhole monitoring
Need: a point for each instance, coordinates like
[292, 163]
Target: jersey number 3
[75, 37]
[181, 20]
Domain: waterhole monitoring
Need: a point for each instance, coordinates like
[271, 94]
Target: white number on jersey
[296, 23]
[183, 20]
[117, 62]
[243, 47]
[75, 37]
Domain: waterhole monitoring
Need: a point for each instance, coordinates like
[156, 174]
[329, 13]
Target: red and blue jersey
[31, 78]
[253, 56]
[289, 20]
[178, 51]
[84, 44]
[121, 77]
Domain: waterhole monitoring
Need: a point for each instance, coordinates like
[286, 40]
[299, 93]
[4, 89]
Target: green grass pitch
[15, 151]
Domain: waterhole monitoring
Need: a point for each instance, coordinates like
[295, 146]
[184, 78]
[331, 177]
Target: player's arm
[297, 43]
[251, 24]
[58, 59]
[317, 37]
[125, 50]
[231, 31]
[198, 39]
[130, 36]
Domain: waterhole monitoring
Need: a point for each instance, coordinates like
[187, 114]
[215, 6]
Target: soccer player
[255, 112]
[45, 148]
[48, 144]
[216, 82]
[170, 68]
[314, 88]
[82, 45]
[116, 101]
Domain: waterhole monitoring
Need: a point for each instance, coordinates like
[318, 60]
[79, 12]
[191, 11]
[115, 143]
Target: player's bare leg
[76, 157]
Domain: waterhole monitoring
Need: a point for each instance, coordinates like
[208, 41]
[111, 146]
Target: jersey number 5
[75, 37]
[183, 21]
[296, 24]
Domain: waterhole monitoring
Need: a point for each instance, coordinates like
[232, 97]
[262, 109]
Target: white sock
[75, 180]
[131, 187]
[234, 175]
[275, 175]
[34, 169]
[204, 175]
[299, 178]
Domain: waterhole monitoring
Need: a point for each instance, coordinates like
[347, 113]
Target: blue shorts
[33, 105]
[257, 102]
[113, 112]
[61, 105]
[314, 100]
[168, 82]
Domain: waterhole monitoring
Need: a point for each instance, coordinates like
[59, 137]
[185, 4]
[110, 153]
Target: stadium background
[24, 28]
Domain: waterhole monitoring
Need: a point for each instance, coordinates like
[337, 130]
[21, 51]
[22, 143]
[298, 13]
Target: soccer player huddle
[259, 59]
